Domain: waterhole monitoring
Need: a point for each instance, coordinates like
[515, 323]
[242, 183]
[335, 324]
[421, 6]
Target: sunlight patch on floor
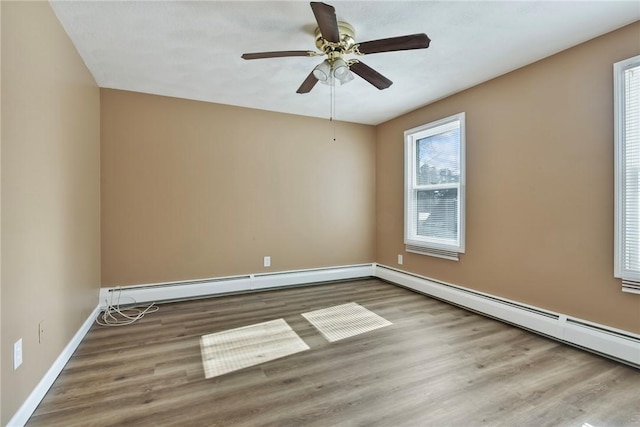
[239, 348]
[344, 321]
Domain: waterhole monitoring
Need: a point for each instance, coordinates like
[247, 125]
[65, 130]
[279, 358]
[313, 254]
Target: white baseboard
[158, 292]
[301, 277]
[621, 345]
[184, 290]
[614, 343]
[225, 285]
[21, 417]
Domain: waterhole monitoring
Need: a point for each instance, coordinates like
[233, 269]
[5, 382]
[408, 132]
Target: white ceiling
[191, 49]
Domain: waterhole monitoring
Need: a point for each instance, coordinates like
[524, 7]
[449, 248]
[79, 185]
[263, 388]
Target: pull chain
[332, 103]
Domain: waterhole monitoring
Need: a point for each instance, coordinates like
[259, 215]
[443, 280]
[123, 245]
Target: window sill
[438, 253]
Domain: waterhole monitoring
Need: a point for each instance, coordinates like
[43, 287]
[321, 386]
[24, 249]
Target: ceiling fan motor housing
[334, 50]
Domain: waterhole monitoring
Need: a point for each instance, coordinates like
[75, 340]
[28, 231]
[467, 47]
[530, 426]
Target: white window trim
[620, 164]
[441, 249]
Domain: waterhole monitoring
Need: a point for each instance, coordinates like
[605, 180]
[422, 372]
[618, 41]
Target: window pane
[438, 158]
[434, 187]
[631, 256]
[437, 213]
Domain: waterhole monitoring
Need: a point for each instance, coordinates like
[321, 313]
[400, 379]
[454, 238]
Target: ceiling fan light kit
[322, 72]
[325, 72]
[335, 39]
[340, 68]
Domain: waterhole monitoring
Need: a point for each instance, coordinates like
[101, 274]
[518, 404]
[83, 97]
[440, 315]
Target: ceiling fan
[336, 39]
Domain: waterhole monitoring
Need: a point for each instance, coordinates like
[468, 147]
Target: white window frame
[621, 166]
[443, 248]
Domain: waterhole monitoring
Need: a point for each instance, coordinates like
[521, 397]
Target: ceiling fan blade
[308, 84]
[413, 41]
[370, 75]
[327, 21]
[279, 54]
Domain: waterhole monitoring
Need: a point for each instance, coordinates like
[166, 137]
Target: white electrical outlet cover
[267, 261]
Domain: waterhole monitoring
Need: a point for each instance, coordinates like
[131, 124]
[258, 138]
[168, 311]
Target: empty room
[292, 213]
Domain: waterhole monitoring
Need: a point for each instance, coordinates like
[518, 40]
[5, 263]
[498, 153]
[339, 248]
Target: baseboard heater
[616, 344]
[171, 291]
[609, 342]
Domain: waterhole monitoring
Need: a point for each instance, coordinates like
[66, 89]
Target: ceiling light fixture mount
[335, 66]
[347, 36]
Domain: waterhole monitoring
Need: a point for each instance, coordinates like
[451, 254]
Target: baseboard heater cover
[301, 277]
[620, 345]
[228, 285]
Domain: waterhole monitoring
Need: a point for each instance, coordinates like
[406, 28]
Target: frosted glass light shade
[323, 71]
[340, 68]
[346, 77]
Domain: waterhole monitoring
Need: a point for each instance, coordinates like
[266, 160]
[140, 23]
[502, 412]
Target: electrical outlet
[41, 332]
[17, 354]
[400, 260]
[267, 261]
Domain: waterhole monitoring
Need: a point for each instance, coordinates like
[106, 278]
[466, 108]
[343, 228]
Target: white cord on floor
[113, 315]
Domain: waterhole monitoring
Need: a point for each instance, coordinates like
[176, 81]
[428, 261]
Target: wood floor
[437, 365]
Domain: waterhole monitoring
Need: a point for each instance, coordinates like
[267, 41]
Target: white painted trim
[301, 277]
[438, 253]
[182, 290]
[21, 417]
[226, 285]
[620, 164]
[603, 341]
[615, 343]
[410, 187]
[619, 344]
[174, 290]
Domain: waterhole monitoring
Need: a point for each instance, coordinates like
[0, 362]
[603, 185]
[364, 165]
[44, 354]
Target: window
[627, 172]
[434, 188]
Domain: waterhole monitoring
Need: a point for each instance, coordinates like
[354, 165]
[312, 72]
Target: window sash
[627, 169]
[413, 225]
[441, 222]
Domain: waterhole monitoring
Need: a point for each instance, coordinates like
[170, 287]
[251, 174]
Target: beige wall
[539, 185]
[194, 190]
[50, 194]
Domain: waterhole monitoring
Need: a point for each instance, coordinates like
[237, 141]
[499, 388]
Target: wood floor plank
[436, 365]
